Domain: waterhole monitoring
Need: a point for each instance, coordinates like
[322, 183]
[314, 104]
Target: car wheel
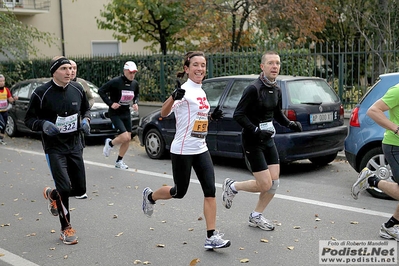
[154, 144]
[11, 128]
[324, 160]
[374, 160]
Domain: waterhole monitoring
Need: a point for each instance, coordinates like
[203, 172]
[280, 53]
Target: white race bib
[67, 124]
[268, 126]
[127, 97]
[3, 104]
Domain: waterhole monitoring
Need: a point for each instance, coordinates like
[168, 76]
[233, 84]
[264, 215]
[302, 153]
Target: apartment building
[74, 22]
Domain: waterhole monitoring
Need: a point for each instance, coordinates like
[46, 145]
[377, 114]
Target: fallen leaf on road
[160, 245]
[244, 260]
[194, 262]
[264, 240]
[121, 233]
[290, 247]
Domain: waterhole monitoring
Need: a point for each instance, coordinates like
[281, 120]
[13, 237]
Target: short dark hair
[187, 58]
[267, 53]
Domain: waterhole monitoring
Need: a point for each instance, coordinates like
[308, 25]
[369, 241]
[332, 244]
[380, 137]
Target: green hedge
[157, 73]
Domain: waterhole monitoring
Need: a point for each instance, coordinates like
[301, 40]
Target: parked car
[309, 100]
[363, 143]
[100, 124]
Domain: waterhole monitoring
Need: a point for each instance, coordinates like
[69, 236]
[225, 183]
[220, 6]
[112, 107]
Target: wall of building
[79, 28]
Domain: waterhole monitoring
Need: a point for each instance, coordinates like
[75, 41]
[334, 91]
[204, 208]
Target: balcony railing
[28, 7]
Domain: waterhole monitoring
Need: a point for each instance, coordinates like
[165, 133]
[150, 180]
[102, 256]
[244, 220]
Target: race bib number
[127, 97]
[67, 124]
[200, 128]
[3, 104]
[268, 126]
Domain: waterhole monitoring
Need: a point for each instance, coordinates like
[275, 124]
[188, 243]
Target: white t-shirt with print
[191, 115]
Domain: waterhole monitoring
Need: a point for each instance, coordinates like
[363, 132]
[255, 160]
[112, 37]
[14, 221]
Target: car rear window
[235, 93]
[214, 90]
[23, 91]
[310, 91]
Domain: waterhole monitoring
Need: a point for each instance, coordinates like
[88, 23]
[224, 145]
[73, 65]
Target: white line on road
[15, 260]
[296, 199]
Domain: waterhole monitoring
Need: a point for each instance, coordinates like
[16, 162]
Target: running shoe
[52, 205]
[227, 194]
[2, 142]
[216, 241]
[84, 196]
[68, 236]
[120, 164]
[260, 222]
[107, 148]
[148, 207]
[389, 233]
[361, 183]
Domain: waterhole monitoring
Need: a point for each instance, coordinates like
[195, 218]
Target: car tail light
[290, 114]
[341, 112]
[354, 120]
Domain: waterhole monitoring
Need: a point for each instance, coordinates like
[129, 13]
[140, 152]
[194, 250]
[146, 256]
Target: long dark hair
[187, 58]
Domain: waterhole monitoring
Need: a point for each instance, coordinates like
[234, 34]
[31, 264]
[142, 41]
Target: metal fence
[349, 70]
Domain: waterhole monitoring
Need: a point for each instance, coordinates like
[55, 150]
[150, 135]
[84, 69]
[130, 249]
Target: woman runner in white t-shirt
[189, 149]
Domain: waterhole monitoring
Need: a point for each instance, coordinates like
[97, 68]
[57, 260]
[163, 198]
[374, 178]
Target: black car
[100, 124]
[309, 100]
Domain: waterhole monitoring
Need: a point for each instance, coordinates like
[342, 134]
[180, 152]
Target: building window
[13, 3]
[105, 48]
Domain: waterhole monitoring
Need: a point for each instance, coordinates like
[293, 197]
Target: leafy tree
[153, 21]
[379, 28]
[17, 40]
[292, 22]
[363, 25]
[239, 24]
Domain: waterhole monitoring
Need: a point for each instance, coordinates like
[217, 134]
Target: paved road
[311, 205]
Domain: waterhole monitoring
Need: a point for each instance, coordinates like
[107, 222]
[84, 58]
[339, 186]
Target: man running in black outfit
[59, 108]
[119, 94]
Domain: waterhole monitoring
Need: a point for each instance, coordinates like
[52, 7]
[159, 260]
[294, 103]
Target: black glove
[178, 93]
[217, 113]
[85, 126]
[295, 126]
[50, 129]
[263, 134]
